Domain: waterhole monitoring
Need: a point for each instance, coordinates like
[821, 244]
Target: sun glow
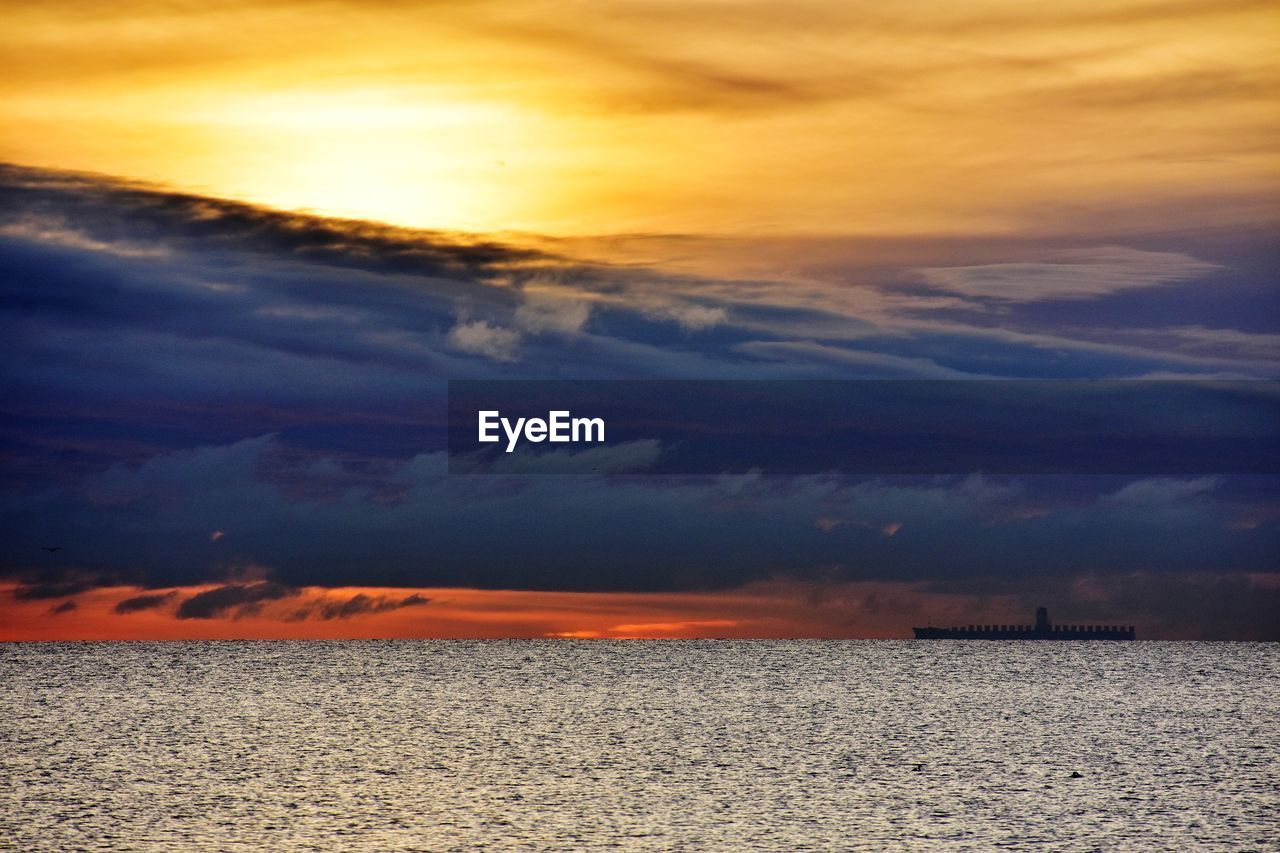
[663, 118]
[406, 157]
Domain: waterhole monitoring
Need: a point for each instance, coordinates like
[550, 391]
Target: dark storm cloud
[125, 299]
[64, 607]
[177, 365]
[599, 533]
[240, 598]
[143, 602]
[116, 212]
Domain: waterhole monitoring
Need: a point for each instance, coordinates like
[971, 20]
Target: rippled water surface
[644, 745]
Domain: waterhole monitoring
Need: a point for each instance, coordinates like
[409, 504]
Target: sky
[243, 246]
[654, 116]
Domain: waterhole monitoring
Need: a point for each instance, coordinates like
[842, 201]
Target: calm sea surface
[639, 745]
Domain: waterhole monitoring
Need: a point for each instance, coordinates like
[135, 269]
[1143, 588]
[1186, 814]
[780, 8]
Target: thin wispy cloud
[1073, 274]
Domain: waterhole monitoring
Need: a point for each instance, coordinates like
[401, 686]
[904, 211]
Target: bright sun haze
[619, 117]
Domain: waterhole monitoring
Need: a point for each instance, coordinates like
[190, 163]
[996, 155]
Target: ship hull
[1075, 634]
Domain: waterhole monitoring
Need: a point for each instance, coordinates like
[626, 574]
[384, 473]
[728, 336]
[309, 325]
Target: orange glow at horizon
[817, 118]
[762, 610]
[766, 609]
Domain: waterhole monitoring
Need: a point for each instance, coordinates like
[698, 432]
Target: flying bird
[54, 548]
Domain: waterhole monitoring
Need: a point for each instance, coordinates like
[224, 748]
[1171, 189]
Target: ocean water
[661, 745]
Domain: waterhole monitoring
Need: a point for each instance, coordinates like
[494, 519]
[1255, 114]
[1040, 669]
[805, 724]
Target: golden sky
[665, 116]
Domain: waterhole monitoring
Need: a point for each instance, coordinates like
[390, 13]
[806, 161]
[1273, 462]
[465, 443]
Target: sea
[639, 745]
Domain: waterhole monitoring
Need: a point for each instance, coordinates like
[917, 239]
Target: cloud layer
[197, 386]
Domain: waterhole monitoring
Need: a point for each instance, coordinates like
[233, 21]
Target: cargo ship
[1043, 629]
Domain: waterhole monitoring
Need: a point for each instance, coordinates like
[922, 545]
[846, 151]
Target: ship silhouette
[1043, 629]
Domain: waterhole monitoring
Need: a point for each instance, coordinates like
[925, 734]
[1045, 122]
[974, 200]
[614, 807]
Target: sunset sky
[244, 244]
[590, 118]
